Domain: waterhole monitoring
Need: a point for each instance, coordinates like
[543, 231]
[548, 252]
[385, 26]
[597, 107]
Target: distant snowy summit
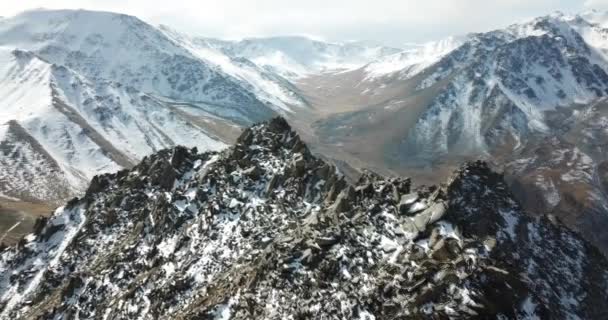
[297, 56]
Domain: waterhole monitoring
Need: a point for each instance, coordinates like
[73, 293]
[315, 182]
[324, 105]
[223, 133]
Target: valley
[151, 173]
[74, 112]
[17, 218]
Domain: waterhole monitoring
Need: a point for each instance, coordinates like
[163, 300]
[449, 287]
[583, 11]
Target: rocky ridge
[266, 230]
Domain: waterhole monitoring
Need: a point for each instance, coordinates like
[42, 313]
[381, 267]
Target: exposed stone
[40, 224]
[245, 138]
[300, 147]
[434, 237]
[272, 184]
[297, 167]
[344, 201]
[72, 203]
[238, 153]
[180, 155]
[74, 283]
[327, 241]
[417, 253]
[337, 186]
[490, 243]
[253, 173]
[406, 202]
[166, 176]
[98, 184]
[365, 190]
[324, 171]
[445, 250]
[279, 125]
[430, 215]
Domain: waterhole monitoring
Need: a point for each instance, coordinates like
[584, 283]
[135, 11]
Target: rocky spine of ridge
[265, 230]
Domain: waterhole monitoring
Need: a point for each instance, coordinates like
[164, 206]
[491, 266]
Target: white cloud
[597, 4]
[395, 21]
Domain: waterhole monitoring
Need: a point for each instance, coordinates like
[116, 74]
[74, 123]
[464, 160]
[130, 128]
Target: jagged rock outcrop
[265, 230]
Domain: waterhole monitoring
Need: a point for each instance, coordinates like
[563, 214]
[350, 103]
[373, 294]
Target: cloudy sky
[392, 22]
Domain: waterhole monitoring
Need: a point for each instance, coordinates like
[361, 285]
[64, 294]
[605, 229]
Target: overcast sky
[392, 22]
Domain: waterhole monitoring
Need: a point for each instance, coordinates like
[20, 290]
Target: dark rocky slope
[265, 230]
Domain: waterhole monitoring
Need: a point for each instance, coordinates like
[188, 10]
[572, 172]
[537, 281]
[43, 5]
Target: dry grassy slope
[335, 93]
[17, 218]
[361, 121]
[566, 175]
[221, 129]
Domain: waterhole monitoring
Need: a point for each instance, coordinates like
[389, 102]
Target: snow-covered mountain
[490, 90]
[514, 95]
[85, 92]
[265, 230]
[486, 91]
[413, 59]
[122, 48]
[497, 86]
[295, 57]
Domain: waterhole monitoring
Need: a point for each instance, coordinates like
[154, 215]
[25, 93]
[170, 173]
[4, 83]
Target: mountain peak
[275, 134]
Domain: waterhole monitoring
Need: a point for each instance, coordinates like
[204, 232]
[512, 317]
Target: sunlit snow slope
[83, 93]
[295, 57]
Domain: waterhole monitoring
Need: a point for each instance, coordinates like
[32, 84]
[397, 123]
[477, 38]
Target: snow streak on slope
[413, 60]
[26, 95]
[266, 85]
[499, 84]
[27, 171]
[484, 92]
[522, 96]
[25, 88]
[596, 17]
[136, 123]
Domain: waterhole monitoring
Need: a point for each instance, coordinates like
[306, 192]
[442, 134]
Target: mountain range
[529, 98]
[187, 201]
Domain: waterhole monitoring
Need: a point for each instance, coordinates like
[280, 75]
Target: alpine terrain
[263, 178]
[529, 98]
[265, 230]
[86, 92]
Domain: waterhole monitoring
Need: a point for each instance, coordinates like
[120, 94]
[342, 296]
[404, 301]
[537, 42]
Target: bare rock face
[406, 202]
[225, 238]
